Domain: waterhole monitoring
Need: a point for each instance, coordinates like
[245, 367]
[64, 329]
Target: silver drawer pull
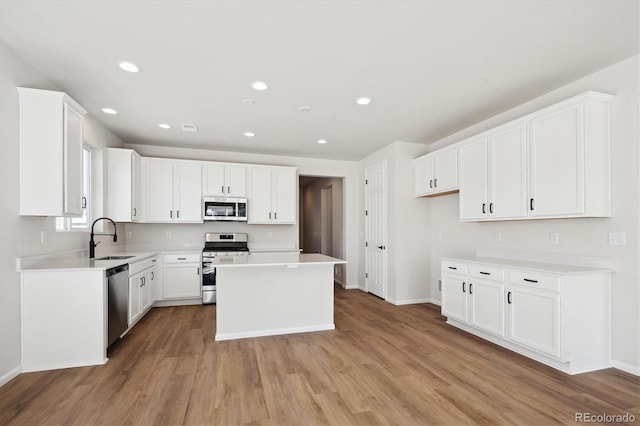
[452, 267]
[530, 281]
[485, 273]
[182, 258]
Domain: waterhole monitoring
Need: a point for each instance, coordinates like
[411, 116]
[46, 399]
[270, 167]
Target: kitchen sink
[114, 257]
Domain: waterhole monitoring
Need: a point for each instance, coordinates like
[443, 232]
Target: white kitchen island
[265, 294]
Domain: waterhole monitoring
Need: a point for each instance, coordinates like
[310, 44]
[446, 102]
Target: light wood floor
[383, 364]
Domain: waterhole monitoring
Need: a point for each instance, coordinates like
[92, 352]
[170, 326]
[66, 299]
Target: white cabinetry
[181, 277]
[474, 295]
[220, 179]
[50, 154]
[569, 159]
[173, 190]
[555, 314]
[124, 185]
[493, 181]
[436, 173]
[272, 195]
[142, 279]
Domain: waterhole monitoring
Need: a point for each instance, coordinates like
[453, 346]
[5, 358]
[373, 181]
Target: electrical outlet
[617, 239]
[129, 234]
[43, 237]
[168, 235]
[555, 237]
[498, 236]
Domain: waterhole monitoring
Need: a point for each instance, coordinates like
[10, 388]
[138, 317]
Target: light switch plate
[617, 239]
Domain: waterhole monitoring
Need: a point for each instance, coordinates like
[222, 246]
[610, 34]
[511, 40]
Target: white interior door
[376, 229]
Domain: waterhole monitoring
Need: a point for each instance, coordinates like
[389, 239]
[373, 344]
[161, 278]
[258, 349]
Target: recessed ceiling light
[321, 141]
[129, 66]
[249, 134]
[164, 126]
[304, 109]
[109, 111]
[363, 101]
[248, 101]
[259, 85]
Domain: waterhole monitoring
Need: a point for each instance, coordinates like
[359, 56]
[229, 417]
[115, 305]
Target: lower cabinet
[142, 284]
[558, 315]
[182, 276]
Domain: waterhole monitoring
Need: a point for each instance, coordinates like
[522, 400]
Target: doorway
[321, 220]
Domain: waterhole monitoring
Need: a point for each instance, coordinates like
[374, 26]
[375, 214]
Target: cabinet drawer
[182, 258]
[454, 267]
[141, 265]
[487, 272]
[534, 279]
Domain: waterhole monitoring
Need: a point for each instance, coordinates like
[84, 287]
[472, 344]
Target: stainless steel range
[216, 245]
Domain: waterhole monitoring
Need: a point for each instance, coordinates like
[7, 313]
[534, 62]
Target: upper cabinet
[224, 180]
[124, 200]
[436, 172]
[272, 195]
[50, 153]
[173, 190]
[493, 175]
[569, 159]
[554, 163]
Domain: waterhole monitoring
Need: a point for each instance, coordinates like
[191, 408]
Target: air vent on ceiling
[189, 128]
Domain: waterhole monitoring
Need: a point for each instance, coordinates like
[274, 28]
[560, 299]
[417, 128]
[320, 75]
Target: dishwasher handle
[117, 270]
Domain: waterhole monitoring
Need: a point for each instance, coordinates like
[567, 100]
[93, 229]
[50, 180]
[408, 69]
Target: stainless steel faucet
[92, 244]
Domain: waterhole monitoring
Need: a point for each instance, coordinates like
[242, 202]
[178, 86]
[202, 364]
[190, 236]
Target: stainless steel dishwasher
[118, 300]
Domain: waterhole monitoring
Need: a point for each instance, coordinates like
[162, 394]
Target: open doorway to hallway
[321, 221]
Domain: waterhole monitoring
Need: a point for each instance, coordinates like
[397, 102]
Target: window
[83, 222]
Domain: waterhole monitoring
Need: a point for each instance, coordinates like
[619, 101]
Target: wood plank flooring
[383, 364]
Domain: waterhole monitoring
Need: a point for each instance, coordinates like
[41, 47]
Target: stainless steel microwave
[221, 208]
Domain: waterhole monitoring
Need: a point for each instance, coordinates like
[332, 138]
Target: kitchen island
[265, 294]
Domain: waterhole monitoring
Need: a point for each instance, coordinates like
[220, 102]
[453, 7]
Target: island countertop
[290, 259]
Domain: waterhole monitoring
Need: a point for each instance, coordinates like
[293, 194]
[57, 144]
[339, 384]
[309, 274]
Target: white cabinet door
[213, 179]
[556, 163]
[259, 203]
[236, 181]
[284, 195]
[124, 185]
[135, 283]
[423, 175]
[445, 164]
[486, 305]
[182, 280]
[473, 180]
[148, 289]
[159, 188]
[187, 192]
[72, 142]
[534, 318]
[508, 173]
[454, 297]
[136, 187]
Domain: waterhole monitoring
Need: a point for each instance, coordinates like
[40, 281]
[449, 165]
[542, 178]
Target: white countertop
[281, 258]
[81, 261]
[553, 268]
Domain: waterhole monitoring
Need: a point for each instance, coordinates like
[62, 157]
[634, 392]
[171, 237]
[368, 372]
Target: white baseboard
[434, 301]
[274, 332]
[177, 302]
[10, 375]
[408, 301]
[627, 368]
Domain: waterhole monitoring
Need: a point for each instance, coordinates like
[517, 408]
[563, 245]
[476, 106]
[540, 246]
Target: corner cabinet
[555, 314]
[142, 288]
[50, 153]
[436, 173]
[273, 195]
[124, 189]
[173, 190]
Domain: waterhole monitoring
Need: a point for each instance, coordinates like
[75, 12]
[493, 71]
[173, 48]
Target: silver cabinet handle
[269, 215]
[182, 258]
[431, 183]
[435, 183]
[135, 212]
[178, 214]
[198, 270]
[222, 189]
[275, 216]
[171, 214]
[228, 190]
[153, 275]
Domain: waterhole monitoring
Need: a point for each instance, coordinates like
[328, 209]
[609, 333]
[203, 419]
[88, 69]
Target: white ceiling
[431, 68]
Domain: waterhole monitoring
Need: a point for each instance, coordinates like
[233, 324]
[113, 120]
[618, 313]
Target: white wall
[21, 236]
[587, 237]
[407, 246]
[282, 236]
